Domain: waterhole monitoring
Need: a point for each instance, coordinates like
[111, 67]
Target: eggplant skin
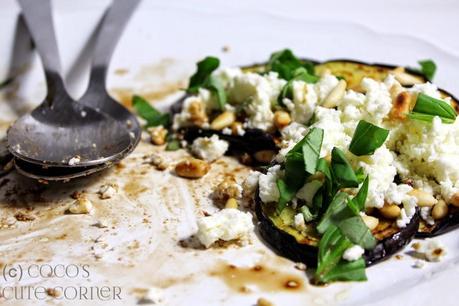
[287, 246]
[451, 222]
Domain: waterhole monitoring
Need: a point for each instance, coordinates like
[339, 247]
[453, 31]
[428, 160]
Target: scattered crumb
[226, 49]
[74, 160]
[300, 266]
[53, 292]
[158, 162]
[398, 256]
[20, 216]
[81, 206]
[264, 302]
[419, 264]
[416, 246]
[101, 224]
[77, 194]
[108, 191]
[152, 295]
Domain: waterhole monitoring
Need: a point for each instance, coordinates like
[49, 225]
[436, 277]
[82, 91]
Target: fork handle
[112, 27]
[39, 20]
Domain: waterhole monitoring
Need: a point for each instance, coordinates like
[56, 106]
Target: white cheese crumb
[227, 131]
[209, 149]
[250, 184]
[353, 253]
[433, 250]
[81, 206]
[407, 212]
[268, 184]
[426, 215]
[108, 191]
[227, 224]
[74, 160]
[298, 222]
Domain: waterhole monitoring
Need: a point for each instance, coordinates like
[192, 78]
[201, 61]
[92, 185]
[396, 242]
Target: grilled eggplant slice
[276, 230]
[353, 72]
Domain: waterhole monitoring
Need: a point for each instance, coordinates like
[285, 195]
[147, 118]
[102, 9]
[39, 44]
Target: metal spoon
[96, 95]
[60, 132]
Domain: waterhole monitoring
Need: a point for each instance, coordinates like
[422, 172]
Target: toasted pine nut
[227, 189]
[192, 168]
[197, 111]
[335, 96]
[81, 206]
[390, 211]
[454, 200]
[401, 105]
[281, 119]
[231, 203]
[440, 210]
[424, 199]
[395, 90]
[223, 120]
[264, 156]
[370, 221]
[405, 78]
[158, 135]
[264, 302]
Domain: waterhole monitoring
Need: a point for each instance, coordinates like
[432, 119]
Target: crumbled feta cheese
[268, 186]
[227, 224]
[432, 249]
[353, 253]
[328, 119]
[227, 131]
[209, 149]
[426, 215]
[308, 191]
[304, 102]
[81, 206]
[298, 222]
[396, 193]
[194, 110]
[240, 130]
[250, 184]
[325, 85]
[291, 135]
[407, 212]
[108, 191]
[378, 101]
[426, 88]
[74, 160]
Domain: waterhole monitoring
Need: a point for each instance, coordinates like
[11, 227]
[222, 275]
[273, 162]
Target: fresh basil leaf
[332, 246]
[346, 271]
[361, 196]
[428, 118]
[286, 194]
[307, 214]
[216, 87]
[343, 174]
[367, 138]
[317, 201]
[285, 63]
[360, 174]
[149, 113]
[201, 77]
[311, 145]
[428, 68]
[356, 231]
[336, 205]
[426, 105]
[323, 167]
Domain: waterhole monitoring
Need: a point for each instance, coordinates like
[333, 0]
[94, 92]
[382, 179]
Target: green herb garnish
[203, 78]
[300, 74]
[367, 138]
[149, 113]
[343, 174]
[426, 108]
[173, 144]
[285, 63]
[428, 68]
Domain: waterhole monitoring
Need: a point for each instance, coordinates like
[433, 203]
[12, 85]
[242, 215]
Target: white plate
[159, 50]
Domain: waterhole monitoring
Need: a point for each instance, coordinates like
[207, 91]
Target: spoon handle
[39, 20]
[112, 27]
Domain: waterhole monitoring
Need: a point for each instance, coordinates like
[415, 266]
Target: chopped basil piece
[149, 113]
[367, 138]
[336, 205]
[426, 108]
[202, 78]
[332, 246]
[285, 63]
[357, 232]
[361, 196]
[286, 194]
[428, 68]
[343, 174]
[311, 145]
[346, 271]
[173, 145]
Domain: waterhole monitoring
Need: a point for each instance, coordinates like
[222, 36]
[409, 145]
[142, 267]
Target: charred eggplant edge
[287, 246]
